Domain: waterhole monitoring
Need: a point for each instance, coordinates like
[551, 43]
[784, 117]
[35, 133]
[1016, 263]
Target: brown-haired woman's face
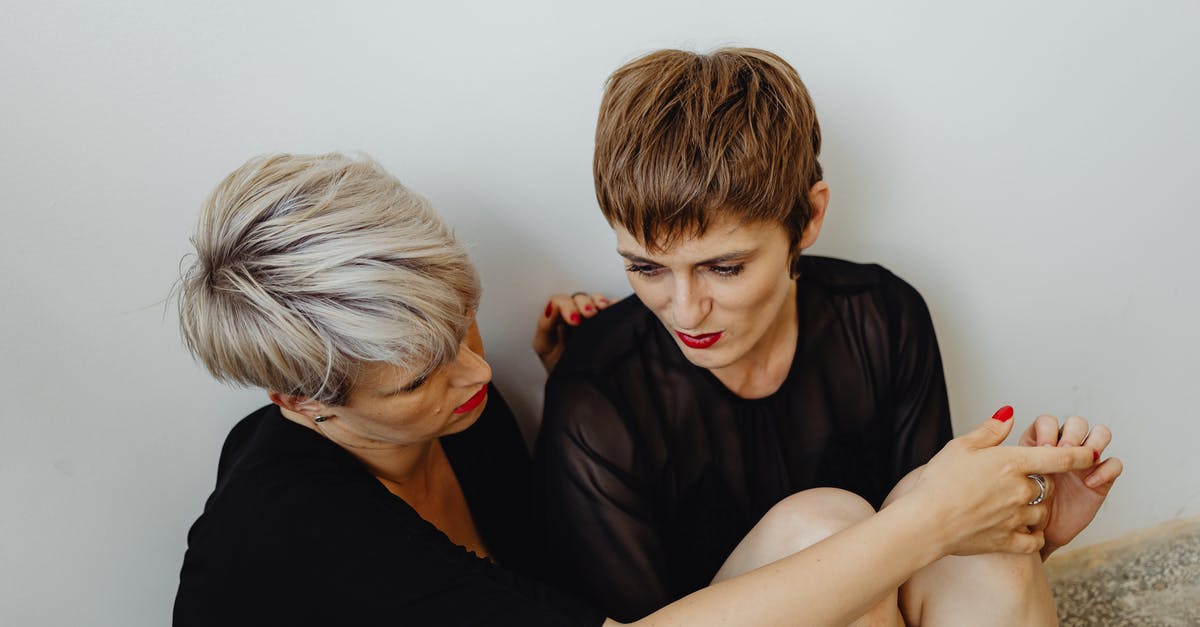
[718, 294]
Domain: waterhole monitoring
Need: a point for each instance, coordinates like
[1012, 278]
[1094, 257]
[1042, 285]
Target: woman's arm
[600, 521]
[921, 410]
[830, 583]
[971, 498]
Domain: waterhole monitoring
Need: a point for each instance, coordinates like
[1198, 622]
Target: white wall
[1028, 166]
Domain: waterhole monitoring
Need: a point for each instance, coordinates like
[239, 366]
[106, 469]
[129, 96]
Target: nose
[690, 305]
[470, 368]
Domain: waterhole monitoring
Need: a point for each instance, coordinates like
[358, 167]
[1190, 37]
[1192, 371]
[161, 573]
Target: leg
[978, 590]
[800, 521]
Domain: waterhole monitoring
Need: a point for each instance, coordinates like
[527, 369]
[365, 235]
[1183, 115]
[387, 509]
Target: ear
[298, 404]
[818, 200]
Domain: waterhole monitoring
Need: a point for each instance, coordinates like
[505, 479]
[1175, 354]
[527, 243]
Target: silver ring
[1041, 484]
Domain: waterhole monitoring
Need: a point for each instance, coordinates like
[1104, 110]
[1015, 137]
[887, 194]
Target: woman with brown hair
[746, 377]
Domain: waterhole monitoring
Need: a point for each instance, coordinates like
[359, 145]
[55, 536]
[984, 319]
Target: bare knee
[904, 486]
[988, 589]
[794, 524]
[1017, 574]
[812, 515]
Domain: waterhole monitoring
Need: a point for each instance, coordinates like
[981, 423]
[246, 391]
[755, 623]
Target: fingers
[1046, 460]
[1099, 438]
[1074, 432]
[572, 309]
[1035, 490]
[560, 309]
[1035, 517]
[1043, 432]
[1026, 543]
[1103, 476]
[1021, 491]
[992, 432]
[589, 304]
[566, 309]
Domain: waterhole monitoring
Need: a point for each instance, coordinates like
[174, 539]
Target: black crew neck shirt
[653, 470]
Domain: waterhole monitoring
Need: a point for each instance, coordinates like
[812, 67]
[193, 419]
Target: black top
[298, 532]
[654, 470]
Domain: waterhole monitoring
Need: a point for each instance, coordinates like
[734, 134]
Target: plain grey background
[1029, 166]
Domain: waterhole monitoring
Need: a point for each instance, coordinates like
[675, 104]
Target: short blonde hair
[684, 138]
[309, 266]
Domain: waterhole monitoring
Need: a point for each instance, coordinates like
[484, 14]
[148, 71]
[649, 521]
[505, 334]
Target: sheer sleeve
[601, 528]
[922, 411]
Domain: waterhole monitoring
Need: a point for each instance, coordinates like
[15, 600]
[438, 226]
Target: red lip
[699, 341]
[472, 402]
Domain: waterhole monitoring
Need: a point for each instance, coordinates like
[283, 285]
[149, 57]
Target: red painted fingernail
[1095, 456]
[587, 307]
[1003, 414]
[549, 309]
[574, 318]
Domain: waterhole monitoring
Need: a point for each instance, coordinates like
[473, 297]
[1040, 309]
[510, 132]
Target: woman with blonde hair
[386, 482]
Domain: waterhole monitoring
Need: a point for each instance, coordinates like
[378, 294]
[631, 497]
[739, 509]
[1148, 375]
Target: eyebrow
[719, 259]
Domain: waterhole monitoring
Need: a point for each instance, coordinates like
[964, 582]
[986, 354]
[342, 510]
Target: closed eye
[643, 269]
[416, 383]
[727, 271]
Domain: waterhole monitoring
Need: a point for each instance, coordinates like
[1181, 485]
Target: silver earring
[320, 418]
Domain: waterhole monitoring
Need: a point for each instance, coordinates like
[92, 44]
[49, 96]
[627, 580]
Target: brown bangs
[685, 139]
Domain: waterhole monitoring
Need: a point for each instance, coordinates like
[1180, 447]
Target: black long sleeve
[652, 471]
[297, 532]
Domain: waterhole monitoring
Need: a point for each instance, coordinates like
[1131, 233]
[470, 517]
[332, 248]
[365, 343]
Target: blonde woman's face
[393, 406]
[718, 294]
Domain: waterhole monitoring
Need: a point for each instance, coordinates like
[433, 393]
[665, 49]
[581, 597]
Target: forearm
[833, 582]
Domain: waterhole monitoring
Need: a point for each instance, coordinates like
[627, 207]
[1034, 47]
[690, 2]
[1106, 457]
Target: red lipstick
[699, 341]
[472, 402]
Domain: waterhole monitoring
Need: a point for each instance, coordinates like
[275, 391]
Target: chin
[460, 422]
[710, 358]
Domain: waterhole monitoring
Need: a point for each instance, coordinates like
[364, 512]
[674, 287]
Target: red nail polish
[587, 307]
[1095, 456]
[1003, 414]
[575, 318]
[549, 309]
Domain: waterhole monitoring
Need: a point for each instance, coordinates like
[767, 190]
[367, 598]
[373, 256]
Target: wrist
[921, 520]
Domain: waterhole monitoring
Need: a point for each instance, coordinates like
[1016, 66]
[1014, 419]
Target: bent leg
[980, 590]
[798, 522]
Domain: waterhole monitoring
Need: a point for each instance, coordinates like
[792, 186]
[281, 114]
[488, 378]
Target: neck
[403, 468]
[764, 368]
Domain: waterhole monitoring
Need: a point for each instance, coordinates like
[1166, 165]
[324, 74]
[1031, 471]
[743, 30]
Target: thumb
[993, 430]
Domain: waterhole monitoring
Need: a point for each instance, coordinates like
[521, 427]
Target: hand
[1078, 493]
[562, 312]
[978, 493]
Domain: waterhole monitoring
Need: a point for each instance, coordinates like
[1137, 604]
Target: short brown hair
[684, 138]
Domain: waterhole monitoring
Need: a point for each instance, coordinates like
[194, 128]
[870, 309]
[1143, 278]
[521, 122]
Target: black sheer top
[297, 532]
[653, 470]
